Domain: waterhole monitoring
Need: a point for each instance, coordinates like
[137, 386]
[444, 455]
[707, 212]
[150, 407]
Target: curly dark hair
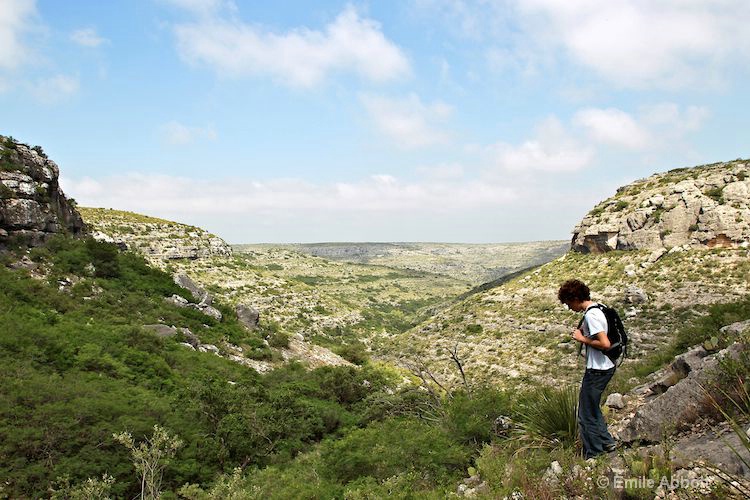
[573, 290]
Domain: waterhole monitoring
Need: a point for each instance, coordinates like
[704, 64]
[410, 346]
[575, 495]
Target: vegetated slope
[156, 239]
[334, 304]
[326, 302]
[78, 366]
[518, 331]
[476, 263]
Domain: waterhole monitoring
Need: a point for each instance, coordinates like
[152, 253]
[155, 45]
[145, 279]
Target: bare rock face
[158, 240]
[199, 294]
[682, 402]
[248, 316]
[706, 206]
[32, 205]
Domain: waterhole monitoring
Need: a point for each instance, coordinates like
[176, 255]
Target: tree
[150, 458]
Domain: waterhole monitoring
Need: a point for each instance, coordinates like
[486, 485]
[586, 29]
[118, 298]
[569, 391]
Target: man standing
[592, 333]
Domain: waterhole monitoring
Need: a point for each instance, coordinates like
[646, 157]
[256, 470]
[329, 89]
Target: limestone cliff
[32, 205]
[705, 206]
[157, 239]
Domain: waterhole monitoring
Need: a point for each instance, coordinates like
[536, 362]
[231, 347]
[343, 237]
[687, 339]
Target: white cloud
[54, 89]
[87, 37]
[301, 57]
[15, 18]
[651, 127]
[178, 134]
[613, 127]
[408, 121]
[446, 171]
[551, 150]
[160, 194]
[640, 43]
[670, 116]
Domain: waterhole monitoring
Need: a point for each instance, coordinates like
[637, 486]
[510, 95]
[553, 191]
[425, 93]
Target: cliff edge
[705, 206]
[32, 205]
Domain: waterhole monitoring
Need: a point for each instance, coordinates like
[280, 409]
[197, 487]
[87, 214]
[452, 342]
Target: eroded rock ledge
[706, 206]
[32, 206]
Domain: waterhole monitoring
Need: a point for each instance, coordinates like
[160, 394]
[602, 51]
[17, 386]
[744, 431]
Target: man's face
[575, 305]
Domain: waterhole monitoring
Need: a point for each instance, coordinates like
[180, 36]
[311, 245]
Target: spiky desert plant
[549, 416]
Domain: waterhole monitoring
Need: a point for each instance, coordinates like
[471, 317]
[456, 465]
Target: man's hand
[578, 336]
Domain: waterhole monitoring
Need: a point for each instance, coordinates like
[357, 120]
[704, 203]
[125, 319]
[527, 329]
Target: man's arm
[599, 341]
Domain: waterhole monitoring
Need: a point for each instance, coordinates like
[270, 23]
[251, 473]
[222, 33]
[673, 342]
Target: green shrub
[278, 340]
[354, 353]
[550, 415]
[6, 193]
[474, 328]
[708, 326]
[620, 206]
[716, 194]
[470, 417]
[388, 448]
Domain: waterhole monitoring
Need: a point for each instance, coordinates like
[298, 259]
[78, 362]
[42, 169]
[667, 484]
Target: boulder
[199, 294]
[208, 348]
[680, 405]
[616, 401]
[162, 331]
[248, 316]
[190, 338]
[735, 328]
[177, 301]
[207, 310]
[715, 448]
[635, 295]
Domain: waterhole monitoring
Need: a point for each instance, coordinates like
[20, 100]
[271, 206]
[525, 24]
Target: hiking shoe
[611, 447]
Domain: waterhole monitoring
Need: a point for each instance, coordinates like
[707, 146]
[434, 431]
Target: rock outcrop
[248, 316]
[706, 206]
[32, 205]
[156, 239]
[678, 397]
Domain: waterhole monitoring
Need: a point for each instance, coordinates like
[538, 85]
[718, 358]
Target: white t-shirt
[594, 322]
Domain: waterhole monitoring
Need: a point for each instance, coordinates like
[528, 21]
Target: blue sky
[412, 120]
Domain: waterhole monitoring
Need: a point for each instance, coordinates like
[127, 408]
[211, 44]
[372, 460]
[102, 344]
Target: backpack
[618, 337]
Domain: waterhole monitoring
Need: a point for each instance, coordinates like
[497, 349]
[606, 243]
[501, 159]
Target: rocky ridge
[475, 263]
[705, 206]
[157, 239]
[32, 206]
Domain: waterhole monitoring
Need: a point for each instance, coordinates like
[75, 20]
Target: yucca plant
[736, 411]
[549, 416]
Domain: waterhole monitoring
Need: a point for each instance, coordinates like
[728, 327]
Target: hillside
[519, 332]
[97, 341]
[477, 263]
[156, 239]
[309, 299]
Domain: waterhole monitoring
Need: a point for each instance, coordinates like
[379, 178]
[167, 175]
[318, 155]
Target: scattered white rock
[208, 348]
[616, 401]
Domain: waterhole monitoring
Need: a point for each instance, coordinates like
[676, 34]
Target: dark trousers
[594, 433]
